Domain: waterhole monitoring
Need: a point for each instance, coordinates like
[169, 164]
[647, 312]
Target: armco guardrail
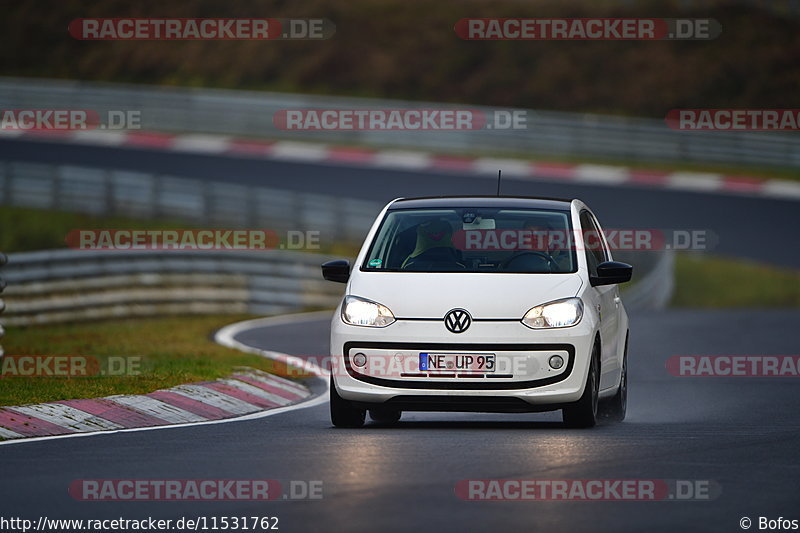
[3, 260]
[102, 191]
[53, 286]
[653, 282]
[250, 113]
[75, 284]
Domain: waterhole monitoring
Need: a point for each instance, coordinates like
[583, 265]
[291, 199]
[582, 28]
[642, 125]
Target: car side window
[603, 245]
[594, 248]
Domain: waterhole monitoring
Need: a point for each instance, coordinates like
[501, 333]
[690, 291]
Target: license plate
[457, 362]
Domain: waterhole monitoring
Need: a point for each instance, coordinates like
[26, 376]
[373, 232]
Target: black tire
[615, 407]
[385, 416]
[343, 414]
[583, 413]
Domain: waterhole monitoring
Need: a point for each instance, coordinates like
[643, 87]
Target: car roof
[507, 202]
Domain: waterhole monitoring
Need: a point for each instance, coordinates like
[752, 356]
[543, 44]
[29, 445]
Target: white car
[482, 304]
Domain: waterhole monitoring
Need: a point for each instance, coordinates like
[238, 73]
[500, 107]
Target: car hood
[432, 295]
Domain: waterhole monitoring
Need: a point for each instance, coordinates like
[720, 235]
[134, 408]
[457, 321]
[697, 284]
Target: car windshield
[534, 241]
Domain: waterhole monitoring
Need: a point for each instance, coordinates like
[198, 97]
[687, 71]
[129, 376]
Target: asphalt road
[756, 228]
[741, 433]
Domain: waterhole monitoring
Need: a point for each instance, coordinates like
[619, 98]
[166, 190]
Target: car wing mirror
[611, 272]
[337, 270]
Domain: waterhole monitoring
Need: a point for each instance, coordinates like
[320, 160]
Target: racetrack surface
[742, 433]
[752, 227]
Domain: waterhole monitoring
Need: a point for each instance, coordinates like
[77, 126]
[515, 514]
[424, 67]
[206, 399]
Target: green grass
[25, 229]
[172, 350]
[715, 282]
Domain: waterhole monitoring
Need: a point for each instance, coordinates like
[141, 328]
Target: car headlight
[361, 312]
[557, 314]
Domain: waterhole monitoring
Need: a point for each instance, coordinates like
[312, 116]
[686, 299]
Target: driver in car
[434, 249]
[548, 242]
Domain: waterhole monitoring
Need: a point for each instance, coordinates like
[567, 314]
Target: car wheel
[583, 413]
[343, 414]
[614, 408]
[385, 416]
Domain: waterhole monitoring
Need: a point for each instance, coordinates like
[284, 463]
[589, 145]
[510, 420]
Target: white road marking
[604, 174]
[215, 399]
[106, 138]
[692, 181]
[275, 381]
[782, 189]
[301, 151]
[283, 382]
[157, 408]
[198, 143]
[224, 337]
[510, 167]
[8, 434]
[697, 181]
[65, 416]
[401, 159]
[255, 391]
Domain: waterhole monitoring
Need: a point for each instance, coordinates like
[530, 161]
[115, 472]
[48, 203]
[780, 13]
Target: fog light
[556, 362]
[359, 359]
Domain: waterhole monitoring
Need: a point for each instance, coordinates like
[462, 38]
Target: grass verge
[173, 350]
[715, 282]
[24, 229]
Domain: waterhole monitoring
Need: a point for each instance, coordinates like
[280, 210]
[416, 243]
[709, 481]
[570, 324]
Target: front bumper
[522, 381]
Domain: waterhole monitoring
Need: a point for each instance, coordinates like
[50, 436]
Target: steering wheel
[547, 257]
[439, 258]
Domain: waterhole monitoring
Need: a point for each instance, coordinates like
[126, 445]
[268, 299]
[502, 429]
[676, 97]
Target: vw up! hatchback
[485, 304]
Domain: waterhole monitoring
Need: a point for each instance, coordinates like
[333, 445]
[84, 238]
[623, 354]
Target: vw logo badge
[457, 321]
